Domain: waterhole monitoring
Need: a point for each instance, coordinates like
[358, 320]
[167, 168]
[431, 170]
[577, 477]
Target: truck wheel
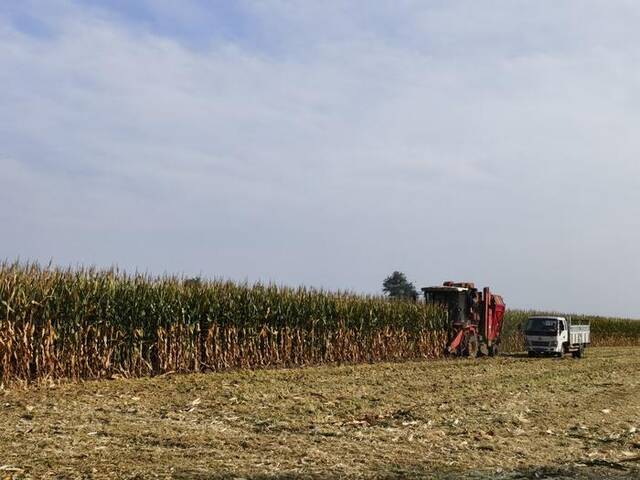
[531, 354]
[580, 352]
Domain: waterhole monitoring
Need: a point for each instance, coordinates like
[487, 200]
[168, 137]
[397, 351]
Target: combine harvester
[475, 317]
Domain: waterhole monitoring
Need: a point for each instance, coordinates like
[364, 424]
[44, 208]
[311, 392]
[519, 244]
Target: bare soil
[508, 417]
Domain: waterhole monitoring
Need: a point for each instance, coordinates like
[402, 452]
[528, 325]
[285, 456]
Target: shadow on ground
[515, 355]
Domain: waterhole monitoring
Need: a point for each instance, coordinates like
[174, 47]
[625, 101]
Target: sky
[329, 143]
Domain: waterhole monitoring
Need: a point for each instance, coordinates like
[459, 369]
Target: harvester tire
[494, 350]
[472, 346]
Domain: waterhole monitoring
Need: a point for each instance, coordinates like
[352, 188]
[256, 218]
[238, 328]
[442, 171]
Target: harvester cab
[475, 317]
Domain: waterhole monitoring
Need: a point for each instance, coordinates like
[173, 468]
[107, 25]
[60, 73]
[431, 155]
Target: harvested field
[509, 417]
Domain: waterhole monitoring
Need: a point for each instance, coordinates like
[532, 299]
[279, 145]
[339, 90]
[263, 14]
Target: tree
[396, 285]
[193, 282]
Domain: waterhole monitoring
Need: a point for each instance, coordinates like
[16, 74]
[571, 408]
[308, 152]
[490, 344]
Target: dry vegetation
[508, 417]
[86, 324]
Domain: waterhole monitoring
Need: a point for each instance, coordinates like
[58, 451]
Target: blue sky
[329, 143]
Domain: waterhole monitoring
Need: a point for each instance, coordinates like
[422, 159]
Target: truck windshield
[547, 325]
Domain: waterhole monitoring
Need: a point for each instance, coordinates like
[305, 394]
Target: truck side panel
[579, 334]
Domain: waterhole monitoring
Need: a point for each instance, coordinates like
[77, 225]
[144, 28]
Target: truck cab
[548, 335]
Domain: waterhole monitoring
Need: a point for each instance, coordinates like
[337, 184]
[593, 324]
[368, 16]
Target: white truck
[557, 336]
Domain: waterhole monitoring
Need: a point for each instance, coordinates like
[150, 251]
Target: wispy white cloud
[491, 142]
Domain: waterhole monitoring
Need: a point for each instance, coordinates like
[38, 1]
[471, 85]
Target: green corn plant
[87, 323]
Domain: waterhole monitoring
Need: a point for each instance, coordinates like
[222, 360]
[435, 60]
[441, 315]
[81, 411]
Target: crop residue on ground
[509, 417]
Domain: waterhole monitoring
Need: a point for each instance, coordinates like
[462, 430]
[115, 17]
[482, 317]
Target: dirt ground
[510, 417]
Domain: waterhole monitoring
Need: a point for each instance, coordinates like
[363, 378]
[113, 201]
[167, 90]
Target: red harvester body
[475, 317]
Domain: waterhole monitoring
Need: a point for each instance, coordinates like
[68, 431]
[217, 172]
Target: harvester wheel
[472, 345]
[493, 350]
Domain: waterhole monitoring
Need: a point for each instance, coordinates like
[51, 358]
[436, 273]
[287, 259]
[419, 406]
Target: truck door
[563, 334]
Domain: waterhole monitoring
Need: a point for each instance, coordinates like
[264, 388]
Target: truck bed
[579, 334]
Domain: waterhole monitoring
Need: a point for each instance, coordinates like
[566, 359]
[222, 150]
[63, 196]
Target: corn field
[87, 323]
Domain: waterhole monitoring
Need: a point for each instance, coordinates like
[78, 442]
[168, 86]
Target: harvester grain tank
[475, 317]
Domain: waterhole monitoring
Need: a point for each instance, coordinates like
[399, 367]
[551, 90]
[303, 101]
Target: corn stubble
[87, 323]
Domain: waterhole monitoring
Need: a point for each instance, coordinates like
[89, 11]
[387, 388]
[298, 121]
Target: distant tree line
[397, 286]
